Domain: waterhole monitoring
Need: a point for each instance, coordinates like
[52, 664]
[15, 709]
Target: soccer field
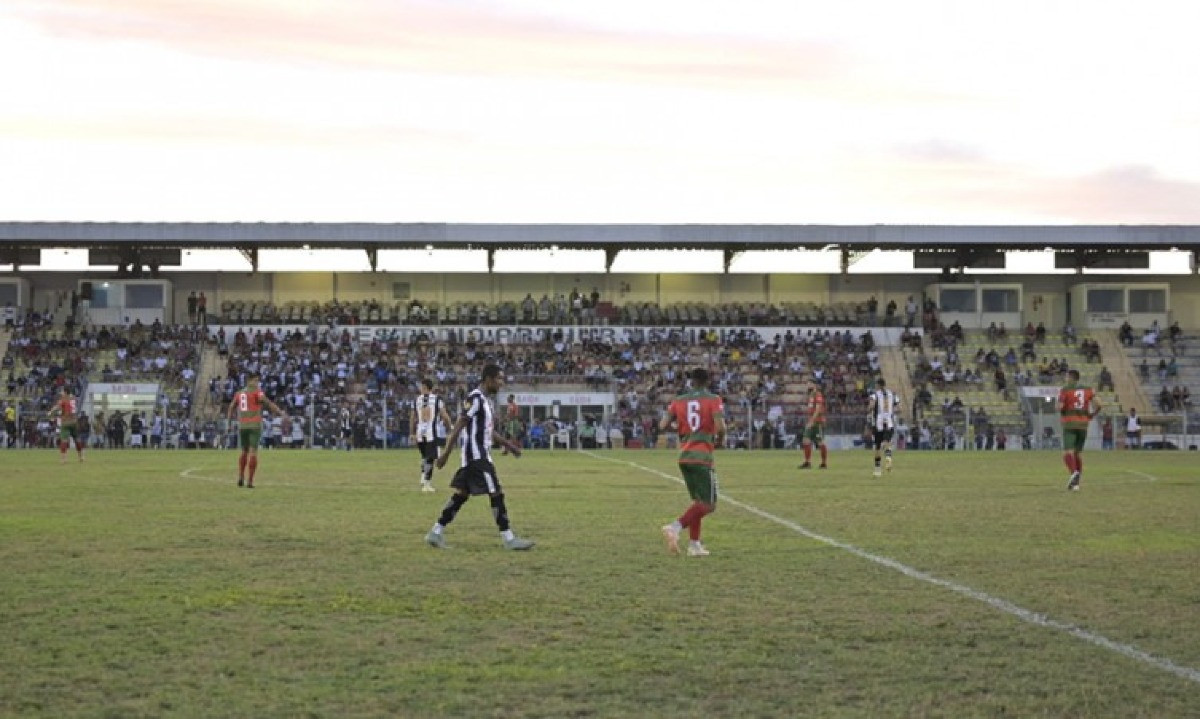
[963, 584]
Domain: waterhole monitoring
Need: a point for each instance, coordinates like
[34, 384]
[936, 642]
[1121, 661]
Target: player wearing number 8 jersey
[700, 418]
[1077, 405]
[248, 403]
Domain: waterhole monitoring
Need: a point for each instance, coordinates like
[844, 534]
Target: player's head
[699, 378]
[65, 392]
[492, 379]
[426, 385]
[1073, 376]
[252, 380]
[881, 383]
[511, 398]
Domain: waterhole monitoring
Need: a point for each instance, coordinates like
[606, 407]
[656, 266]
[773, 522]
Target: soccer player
[346, 422]
[477, 475]
[65, 411]
[881, 413]
[1077, 405]
[248, 403]
[700, 418]
[814, 431]
[427, 410]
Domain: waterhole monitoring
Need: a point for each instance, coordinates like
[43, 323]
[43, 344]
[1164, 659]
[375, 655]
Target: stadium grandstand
[975, 342]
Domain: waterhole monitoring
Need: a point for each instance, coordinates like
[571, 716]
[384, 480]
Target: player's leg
[64, 443]
[877, 441]
[702, 486]
[462, 485]
[806, 444]
[887, 451]
[495, 493]
[1070, 440]
[1080, 440]
[429, 453]
[252, 463]
[243, 455]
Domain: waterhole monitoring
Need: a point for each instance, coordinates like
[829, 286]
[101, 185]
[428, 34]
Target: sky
[659, 111]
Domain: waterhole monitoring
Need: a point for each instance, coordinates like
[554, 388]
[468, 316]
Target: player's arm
[274, 407]
[451, 441]
[232, 406]
[444, 415]
[507, 443]
[668, 420]
[1096, 407]
[722, 430]
[412, 423]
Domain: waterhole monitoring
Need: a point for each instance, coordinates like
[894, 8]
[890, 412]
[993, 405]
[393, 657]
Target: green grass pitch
[146, 584]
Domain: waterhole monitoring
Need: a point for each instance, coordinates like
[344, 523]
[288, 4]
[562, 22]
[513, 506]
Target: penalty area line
[1003, 605]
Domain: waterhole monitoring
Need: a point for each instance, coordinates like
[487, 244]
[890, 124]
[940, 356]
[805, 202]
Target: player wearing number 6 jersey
[700, 418]
[1077, 405]
[248, 403]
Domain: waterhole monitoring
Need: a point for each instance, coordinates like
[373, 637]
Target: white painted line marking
[187, 474]
[1003, 605]
[1149, 477]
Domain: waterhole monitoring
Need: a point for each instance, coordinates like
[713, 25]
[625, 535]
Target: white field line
[1003, 605]
[1148, 477]
[187, 474]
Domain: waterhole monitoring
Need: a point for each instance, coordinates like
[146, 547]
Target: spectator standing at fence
[1133, 430]
[1106, 434]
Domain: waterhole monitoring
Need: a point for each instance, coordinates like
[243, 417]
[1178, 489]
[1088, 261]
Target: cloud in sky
[538, 111]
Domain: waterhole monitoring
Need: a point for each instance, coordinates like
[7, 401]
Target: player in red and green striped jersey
[700, 418]
[248, 403]
[1077, 405]
[65, 410]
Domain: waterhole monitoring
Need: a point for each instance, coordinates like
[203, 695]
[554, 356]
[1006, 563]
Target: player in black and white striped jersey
[477, 475]
[881, 413]
[429, 411]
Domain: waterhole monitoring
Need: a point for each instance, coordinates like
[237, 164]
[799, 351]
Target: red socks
[1071, 461]
[253, 466]
[242, 465]
[807, 452]
[691, 519]
[1079, 463]
[62, 448]
[824, 454]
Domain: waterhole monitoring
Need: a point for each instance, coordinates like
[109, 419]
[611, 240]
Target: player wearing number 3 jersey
[1077, 405]
[699, 416]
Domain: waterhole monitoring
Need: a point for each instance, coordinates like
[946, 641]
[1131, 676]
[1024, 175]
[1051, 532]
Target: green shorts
[701, 482]
[67, 431]
[815, 433]
[1074, 439]
[250, 437]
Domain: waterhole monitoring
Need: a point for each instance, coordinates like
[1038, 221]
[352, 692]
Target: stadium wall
[1050, 290]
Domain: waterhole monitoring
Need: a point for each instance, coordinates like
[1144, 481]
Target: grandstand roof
[353, 235]
[154, 244]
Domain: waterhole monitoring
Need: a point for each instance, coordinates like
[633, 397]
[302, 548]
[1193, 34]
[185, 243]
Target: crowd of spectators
[576, 307]
[326, 375]
[41, 359]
